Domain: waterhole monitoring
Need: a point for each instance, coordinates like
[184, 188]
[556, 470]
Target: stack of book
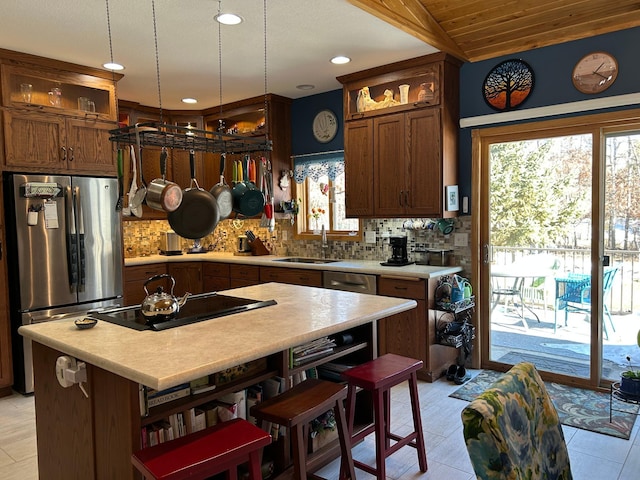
[304, 353]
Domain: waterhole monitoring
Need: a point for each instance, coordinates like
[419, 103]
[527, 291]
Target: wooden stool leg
[347, 470]
[351, 408]
[387, 419]
[255, 462]
[417, 422]
[381, 440]
[300, 457]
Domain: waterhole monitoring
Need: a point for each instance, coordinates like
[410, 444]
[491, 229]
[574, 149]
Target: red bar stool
[296, 407]
[378, 376]
[199, 455]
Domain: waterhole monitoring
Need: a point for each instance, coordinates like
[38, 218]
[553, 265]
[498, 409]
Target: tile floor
[593, 456]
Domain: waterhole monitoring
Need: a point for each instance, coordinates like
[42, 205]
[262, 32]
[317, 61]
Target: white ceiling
[302, 35]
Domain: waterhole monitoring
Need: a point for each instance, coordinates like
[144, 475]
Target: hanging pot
[222, 192]
[198, 215]
[248, 200]
[163, 194]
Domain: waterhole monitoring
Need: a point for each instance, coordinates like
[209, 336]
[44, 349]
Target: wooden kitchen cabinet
[244, 275]
[188, 277]
[248, 118]
[407, 152]
[295, 276]
[60, 138]
[413, 333]
[134, 278]
[216, 277]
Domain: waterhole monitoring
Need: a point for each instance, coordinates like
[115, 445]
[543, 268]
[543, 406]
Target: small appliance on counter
[170, 244]
[399, 256]
[197, 247]
[243, 246]
[435, 257]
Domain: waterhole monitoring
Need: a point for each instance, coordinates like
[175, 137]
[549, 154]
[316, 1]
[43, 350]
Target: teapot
[161, 305]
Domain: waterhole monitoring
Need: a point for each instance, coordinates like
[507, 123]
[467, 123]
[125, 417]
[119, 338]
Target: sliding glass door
[558, 205]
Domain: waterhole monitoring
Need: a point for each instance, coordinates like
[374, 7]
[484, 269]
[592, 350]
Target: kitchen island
[82, 438]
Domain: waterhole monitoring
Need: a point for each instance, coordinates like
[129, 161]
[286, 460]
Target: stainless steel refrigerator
[64, 245]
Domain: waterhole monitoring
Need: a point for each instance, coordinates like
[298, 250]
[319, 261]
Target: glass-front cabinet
[58, 92]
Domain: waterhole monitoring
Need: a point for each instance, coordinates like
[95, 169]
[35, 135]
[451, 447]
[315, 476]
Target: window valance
[316, 165]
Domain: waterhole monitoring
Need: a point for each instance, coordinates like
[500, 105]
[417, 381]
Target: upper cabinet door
[358, 166]
[391, 191]
[88, 146]
[33, 139]
[424, 167]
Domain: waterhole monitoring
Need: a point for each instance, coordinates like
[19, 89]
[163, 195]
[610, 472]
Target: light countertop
[166, 358]
[352, 266]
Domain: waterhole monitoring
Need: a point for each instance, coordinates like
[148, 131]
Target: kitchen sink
[305, 260]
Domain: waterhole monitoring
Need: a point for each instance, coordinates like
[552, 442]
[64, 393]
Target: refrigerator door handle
[81, 250]
[72, 246]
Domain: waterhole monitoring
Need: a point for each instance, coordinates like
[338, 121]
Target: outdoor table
[519, 275]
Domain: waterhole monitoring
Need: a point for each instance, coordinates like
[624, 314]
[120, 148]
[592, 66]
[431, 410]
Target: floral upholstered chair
[512, 430]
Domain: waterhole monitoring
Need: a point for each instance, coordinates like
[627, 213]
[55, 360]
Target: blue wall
[303, 111]
[552, 68]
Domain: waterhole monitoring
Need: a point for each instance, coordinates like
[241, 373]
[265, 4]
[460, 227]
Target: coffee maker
[398, 252]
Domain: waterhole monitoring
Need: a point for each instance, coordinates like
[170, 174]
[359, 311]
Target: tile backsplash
[144, 237]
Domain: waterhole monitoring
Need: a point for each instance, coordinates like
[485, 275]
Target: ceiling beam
[412, 17]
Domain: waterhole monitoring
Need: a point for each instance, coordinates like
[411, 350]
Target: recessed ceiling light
[340, 60]
[189, 100]
[228, 18]
[112, 66]
[305, 86]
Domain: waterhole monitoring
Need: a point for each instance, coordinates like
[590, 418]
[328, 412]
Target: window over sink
[321, 194]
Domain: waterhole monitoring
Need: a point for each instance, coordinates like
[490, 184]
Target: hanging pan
[222, 192]
[198, 215]
[247, 199]
[163, 194]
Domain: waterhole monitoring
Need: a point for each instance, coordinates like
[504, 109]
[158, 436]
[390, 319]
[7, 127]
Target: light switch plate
[461, 239]
[285, 235]
[369, 237]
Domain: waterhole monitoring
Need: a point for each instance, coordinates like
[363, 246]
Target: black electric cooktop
[203, 306]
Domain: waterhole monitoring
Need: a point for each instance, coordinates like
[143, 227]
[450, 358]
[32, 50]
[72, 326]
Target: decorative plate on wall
[508, 84]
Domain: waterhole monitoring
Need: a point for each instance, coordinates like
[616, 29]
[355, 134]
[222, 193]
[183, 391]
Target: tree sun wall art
[508, 85]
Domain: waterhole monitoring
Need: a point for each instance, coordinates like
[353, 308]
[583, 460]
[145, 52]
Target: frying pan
[247, 199]
[163, 194]
[198, 214]
[222, 192]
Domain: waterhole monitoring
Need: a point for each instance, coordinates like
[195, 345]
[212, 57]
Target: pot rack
[189, 138]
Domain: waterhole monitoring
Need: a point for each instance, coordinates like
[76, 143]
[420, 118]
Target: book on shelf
[308, 351]
[155, 397]
[202, 384]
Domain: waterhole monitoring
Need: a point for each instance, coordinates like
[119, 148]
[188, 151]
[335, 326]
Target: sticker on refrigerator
[51, 214]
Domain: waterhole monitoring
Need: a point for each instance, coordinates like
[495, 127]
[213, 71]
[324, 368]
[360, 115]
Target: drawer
[309, 278]
[140, 273]
[404, 287]
[245, 272]
[216, 270]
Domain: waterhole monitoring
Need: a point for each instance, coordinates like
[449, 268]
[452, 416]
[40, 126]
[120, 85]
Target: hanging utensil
[198, 215]
[163, 194]
[120, 181]
[142, 190]
[264, 220]
[134, 208]
[222, 192]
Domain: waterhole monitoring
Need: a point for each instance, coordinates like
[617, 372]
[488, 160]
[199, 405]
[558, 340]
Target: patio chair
[573, 294]
[512, 430]
[539, 290]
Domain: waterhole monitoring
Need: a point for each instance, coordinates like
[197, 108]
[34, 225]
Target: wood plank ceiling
[474, 30]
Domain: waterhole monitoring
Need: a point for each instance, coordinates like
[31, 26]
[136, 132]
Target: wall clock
[325, 126]
[508, 84]
[595, 72]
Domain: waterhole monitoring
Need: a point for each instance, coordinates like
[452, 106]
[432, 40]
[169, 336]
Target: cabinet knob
[400, 197]
[70, 154]
[64, 154]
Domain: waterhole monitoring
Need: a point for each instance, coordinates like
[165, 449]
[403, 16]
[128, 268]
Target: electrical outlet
[369, 237]
[461, 239]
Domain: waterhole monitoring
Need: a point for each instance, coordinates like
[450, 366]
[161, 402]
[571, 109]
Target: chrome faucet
[325, 245]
